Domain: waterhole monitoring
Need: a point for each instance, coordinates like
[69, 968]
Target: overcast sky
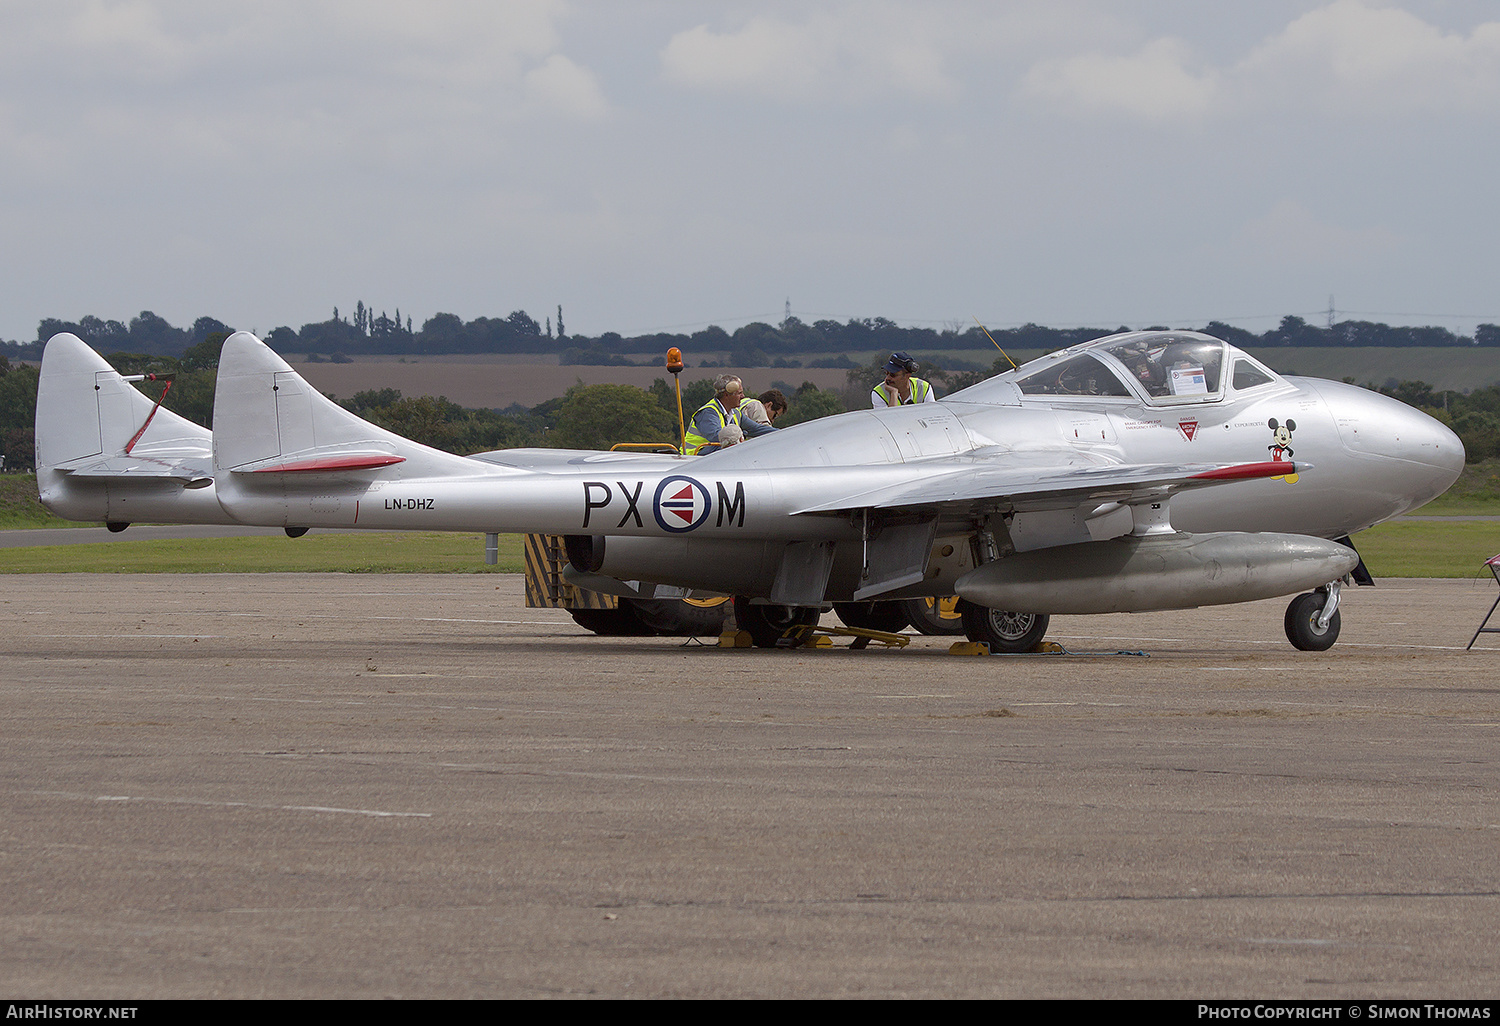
[664, 165]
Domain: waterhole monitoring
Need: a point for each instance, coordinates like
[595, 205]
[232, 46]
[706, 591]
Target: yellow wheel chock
[813, 636]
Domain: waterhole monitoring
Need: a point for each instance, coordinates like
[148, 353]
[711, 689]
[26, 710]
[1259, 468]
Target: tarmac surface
[367, 786]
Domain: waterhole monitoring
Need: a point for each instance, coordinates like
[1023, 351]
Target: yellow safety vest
[725, 417]
[919, 390]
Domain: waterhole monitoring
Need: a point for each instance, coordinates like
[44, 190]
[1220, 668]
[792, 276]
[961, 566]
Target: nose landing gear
[1312, 619]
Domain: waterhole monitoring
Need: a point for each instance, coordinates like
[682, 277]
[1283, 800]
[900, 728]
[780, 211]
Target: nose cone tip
[1418, 457]
[1441, 447]
[1443, 451]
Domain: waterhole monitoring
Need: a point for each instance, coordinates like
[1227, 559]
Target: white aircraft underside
[1148, 470]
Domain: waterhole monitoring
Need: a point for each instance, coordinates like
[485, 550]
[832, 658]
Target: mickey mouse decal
[1281, 445]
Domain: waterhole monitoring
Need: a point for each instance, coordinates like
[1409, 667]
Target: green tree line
[757, 344]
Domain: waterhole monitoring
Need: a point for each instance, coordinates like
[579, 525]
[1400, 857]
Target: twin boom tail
[282, 454]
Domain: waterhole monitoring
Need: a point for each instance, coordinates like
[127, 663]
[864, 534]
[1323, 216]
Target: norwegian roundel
[681, 504]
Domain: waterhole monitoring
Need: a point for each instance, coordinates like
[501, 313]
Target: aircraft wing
[976, 488]
[568, 460]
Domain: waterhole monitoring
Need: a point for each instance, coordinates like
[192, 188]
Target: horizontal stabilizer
[322, 462]
[189, 475]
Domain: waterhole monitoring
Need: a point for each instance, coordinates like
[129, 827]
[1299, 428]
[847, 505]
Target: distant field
[1459, 368]
[498, 381]
[496, 385]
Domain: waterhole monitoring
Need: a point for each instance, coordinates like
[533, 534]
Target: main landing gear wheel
[767, 623]
[873, 616]
[1302, 628]
[611, 623]
[681, 618]
[639, 618]
[1002, 630]
[935, 616]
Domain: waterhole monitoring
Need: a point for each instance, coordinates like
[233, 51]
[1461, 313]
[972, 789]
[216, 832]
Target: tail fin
[269, 421]
[104, 451]
[285, 454]
[67, 402]
[87, 414]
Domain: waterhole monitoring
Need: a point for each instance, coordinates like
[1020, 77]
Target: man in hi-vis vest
[900, 388]
[719, 412]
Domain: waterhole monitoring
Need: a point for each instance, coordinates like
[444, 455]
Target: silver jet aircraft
[1143, 471]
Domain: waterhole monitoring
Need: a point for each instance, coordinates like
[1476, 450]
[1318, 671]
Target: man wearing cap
[899, 387]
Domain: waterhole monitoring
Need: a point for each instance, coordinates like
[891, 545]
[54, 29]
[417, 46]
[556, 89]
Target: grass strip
[19, 506]
[1403, 549]
[1428, 548]
[394, 552]
[1475, 493]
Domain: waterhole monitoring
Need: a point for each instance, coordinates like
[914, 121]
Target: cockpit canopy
[1170, 366]
[1161, 368]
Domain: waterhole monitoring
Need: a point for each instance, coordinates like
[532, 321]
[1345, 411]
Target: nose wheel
[1312, 619]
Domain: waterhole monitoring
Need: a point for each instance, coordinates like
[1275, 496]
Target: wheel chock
[736, 639]
[1048, 646]
[863, 636]
[969, 648]
[814, 636]
[802, 637]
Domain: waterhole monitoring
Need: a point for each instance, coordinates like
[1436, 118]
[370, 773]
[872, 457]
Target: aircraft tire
[934, 616]
[1002, 630]
[873, 616]
[1302, 623]
[611, 623]
[680, 619]
[767, 623]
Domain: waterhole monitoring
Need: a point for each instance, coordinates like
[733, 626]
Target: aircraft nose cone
[1422, 439]
[1418, 457]
[1448, 450]
[1433, 455]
